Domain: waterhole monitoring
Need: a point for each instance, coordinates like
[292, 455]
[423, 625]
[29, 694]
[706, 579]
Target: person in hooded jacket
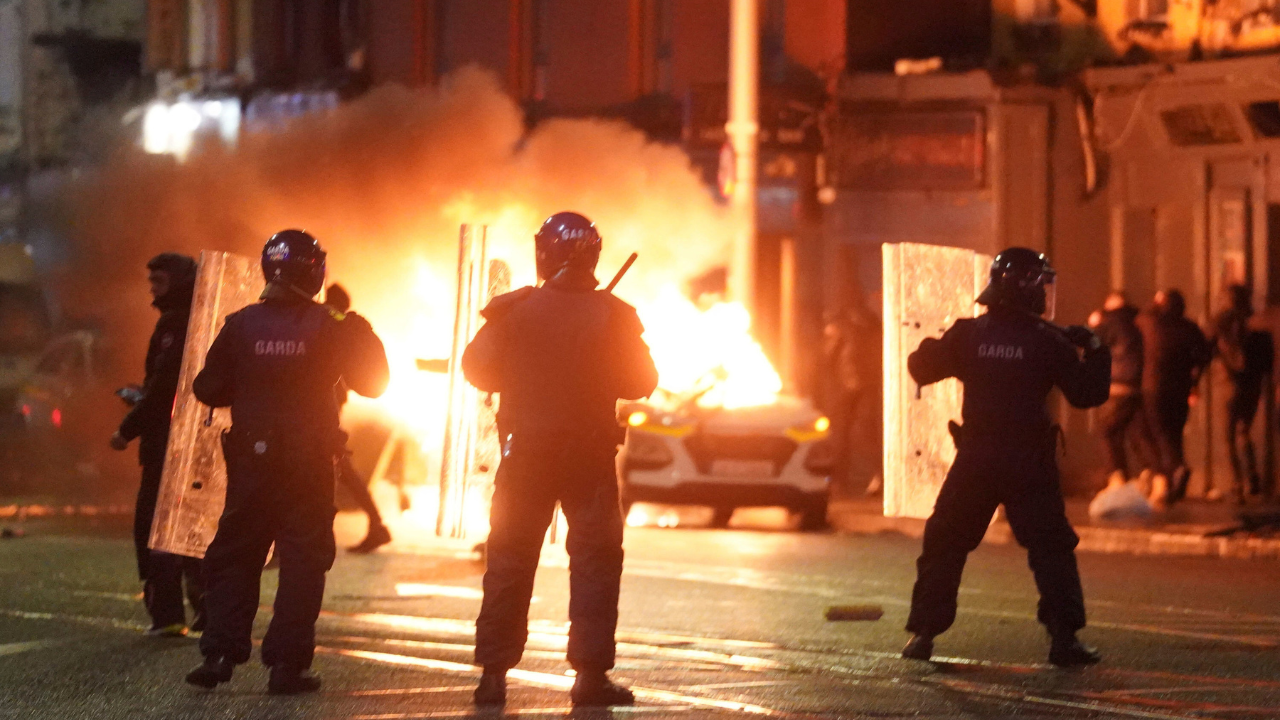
[1123, 416]
[378, 533]
[559, 356]
[1248, 354]
[1008, 360]
[172, 279]
[1175, 355]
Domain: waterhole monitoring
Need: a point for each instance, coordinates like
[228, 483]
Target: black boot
[595, 689]
[919, 647]
[378, 536]
[290, 680]
[209, 673]
[492, 689]
[1067, 651]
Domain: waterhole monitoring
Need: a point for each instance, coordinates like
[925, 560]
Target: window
[910, 150]
[1264, 117]
[1148, 9]
[1190, 125]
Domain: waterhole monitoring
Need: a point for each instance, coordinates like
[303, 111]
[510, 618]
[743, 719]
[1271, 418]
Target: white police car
[770, 455]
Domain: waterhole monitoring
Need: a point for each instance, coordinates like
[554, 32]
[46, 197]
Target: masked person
[1176, 353]
[336, 297]
[172, 278]
[1008, 360]
[1248, 356]
[1123, 416]
[560, 356]
[275, 364]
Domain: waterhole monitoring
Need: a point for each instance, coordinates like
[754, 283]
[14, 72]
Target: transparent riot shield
[926, 289]
[471, 452]
[194, 484]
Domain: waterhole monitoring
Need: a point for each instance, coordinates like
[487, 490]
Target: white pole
[743, 131]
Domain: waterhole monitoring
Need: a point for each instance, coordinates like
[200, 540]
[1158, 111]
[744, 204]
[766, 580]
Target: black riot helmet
[568, 247]
[1021, 279]
[294, 259]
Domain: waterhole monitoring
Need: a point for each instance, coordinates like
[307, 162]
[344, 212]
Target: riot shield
[194, 484]
[471, 451]
[926, 289]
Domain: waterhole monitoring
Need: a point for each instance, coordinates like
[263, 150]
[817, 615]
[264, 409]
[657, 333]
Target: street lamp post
[743, 131]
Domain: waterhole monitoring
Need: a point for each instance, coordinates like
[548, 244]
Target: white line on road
[559, 682]
[21, 647]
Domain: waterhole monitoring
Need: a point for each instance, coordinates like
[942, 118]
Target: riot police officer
[1008, 360]
[172, 278]
[275, 365]
[560, 356]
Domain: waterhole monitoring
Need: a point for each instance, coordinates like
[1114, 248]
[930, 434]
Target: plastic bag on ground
[1120, 503]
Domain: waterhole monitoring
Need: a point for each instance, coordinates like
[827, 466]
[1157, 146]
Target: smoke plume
[384, 182]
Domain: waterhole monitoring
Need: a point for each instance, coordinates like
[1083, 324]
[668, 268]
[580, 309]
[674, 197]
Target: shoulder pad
[504, 303]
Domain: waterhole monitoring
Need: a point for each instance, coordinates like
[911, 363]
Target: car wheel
[721, 516]
[813, 517]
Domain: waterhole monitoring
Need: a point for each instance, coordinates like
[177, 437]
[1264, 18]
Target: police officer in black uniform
[172, 278]
[275, 365]
[560, 356]
[1008, 359]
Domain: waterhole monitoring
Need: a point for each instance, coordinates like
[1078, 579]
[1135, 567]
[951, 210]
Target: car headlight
[810, 432]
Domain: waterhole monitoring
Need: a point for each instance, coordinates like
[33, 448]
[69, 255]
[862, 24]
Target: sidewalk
[1184, 530]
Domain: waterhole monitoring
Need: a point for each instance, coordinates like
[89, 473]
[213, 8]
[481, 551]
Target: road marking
[84, 619]
[428, 645]
[451, 591]
[409, 691]
[127, 597]
[559, 682]
[558, 639]
[982, 689]
[1186, 705]
[20, 647]
[558, 712]
[756, 683]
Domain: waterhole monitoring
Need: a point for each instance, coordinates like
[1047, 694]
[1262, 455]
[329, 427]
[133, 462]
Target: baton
[622, 271]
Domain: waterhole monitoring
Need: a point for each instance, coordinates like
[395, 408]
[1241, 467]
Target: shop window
[1190, 125]
[1264, 117]
[909, 150]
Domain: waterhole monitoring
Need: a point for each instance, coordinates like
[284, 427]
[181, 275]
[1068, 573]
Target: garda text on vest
[1000, 352]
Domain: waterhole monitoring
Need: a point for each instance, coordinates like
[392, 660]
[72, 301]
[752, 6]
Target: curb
[1127, 541]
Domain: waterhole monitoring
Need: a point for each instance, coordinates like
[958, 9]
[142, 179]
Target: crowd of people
[1159, 357]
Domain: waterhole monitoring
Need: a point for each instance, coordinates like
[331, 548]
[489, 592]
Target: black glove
[1082, 337]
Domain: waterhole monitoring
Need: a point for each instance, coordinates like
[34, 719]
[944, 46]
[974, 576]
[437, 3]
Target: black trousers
[1026, 483]
[1124, 421]
[525, 493]
[162, 573]
[359, 489]
[285, 498]
[1168, 412]
[1242, 408]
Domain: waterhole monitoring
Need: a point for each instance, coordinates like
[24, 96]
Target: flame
[707, 350]
[704, 354]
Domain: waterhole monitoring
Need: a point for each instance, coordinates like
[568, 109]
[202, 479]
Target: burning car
[725, 458]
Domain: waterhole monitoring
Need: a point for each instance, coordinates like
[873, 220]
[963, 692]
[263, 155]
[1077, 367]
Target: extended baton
[622, 271]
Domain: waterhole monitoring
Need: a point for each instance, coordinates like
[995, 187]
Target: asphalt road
[713, 624]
